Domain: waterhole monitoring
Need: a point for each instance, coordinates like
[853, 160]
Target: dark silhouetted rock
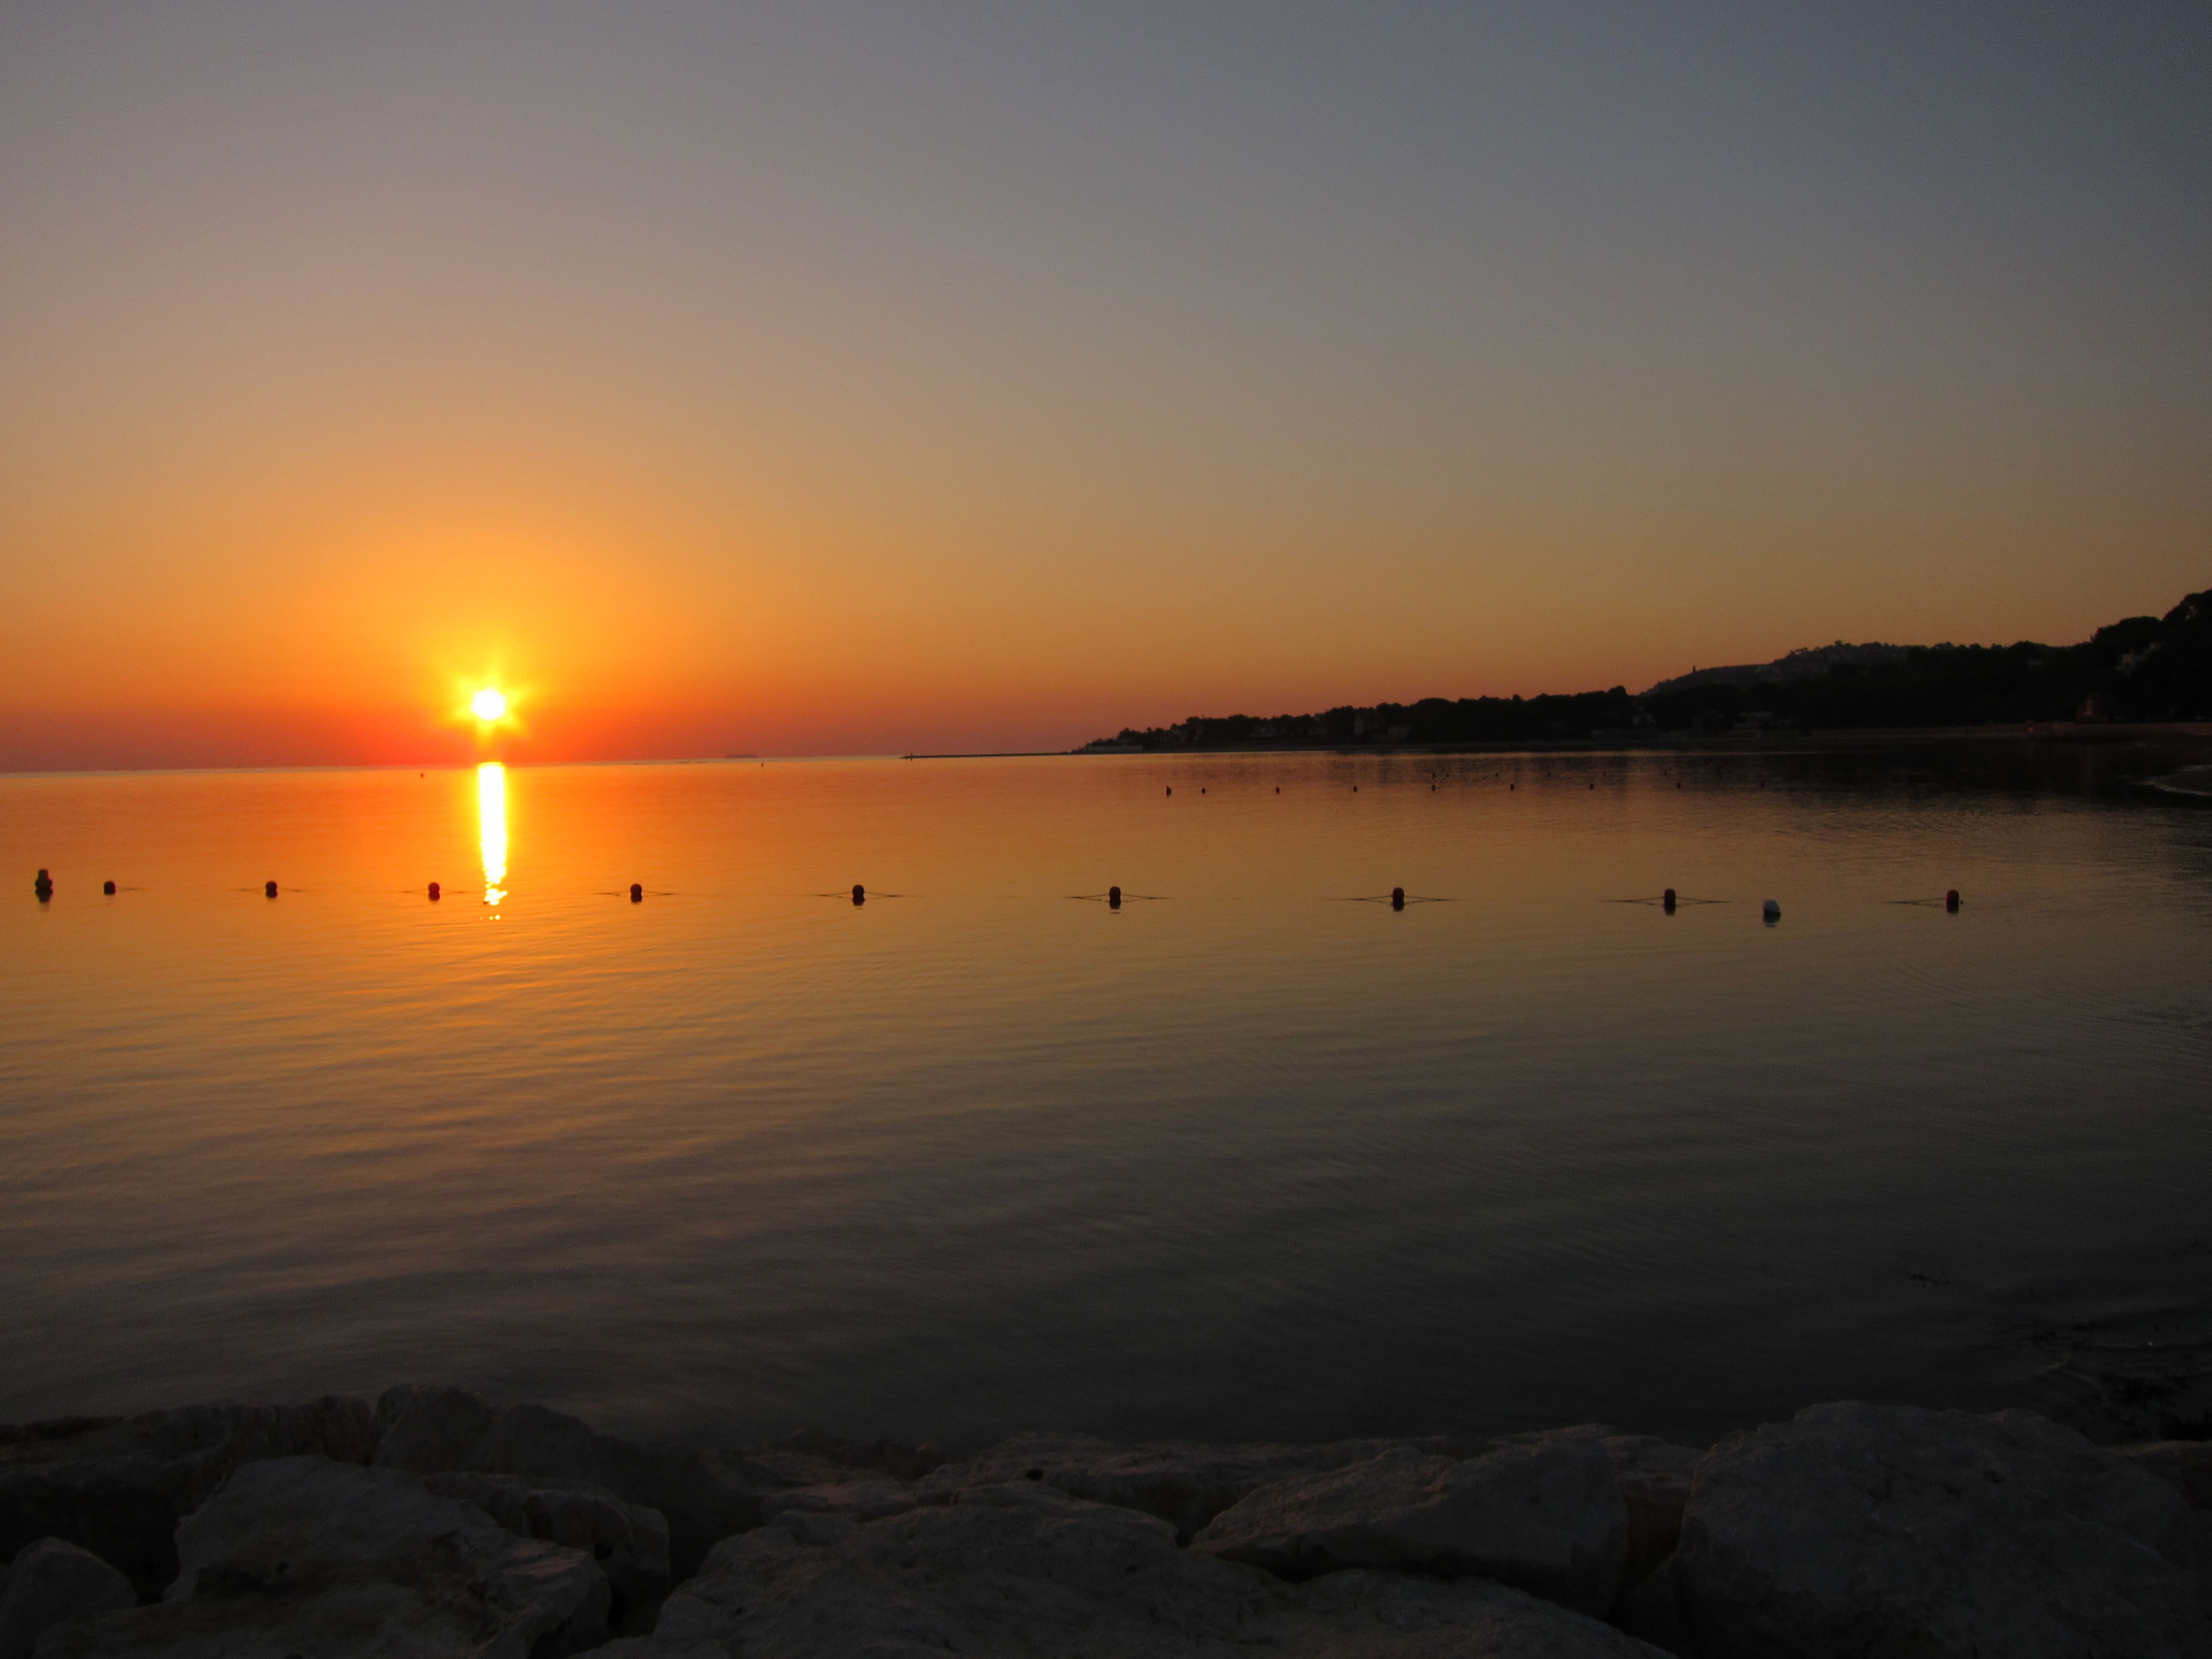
[1547, 1517]
[811, 1457]
[1655, 1482]
[430, 1430]
[1857, 1529]
[49, 1584]
[1186, 1484]
[2186, 1464]
[1027, 1570]
[444, 1430]
[301, 1556]
[1655, 1476]
[120, 1489]
[628, 1541]
[859, 1498]
[1651, 1610]
[53, 1429]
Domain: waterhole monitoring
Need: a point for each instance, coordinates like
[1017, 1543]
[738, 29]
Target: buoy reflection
[491, 828]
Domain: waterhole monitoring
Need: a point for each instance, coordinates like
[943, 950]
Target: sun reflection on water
[491, 828]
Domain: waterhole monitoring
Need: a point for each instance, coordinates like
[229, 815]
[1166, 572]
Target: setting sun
[488, 704]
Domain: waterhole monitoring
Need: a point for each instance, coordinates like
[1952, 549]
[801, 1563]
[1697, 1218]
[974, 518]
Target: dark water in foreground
[1247, 1158]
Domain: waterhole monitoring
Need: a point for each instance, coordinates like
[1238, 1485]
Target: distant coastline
[1748, 740]
[2142, 676]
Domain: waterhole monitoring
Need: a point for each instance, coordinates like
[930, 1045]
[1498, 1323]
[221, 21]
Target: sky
[856, 378]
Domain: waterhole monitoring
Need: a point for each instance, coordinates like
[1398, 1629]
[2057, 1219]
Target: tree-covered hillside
[2146, 668]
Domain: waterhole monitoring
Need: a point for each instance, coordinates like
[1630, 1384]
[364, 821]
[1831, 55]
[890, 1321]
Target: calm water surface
[1254, 1156]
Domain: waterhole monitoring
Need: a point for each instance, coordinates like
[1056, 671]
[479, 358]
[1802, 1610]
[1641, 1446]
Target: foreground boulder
[859, 1498]
[1654, 1476]
[53, 1582]
[1547, 1517]
[809, 1457]
[1857, 1529]
[117, 1488]
[438, 1430]
[628, 1541]
[1184, 1484]
[2184, 1465]
[1026, 1571]
[302, 1556]
[813, 1473]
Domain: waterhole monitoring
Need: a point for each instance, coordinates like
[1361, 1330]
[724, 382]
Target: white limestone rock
[1185, 1484]
[1654, 1477]
[118, 1487]
[304, 1557]
[860, 1498]
[1547, 1517]
[2186, 1465]
[628, 1541]
[1857, 1529]
[49, 1584]
[813, 1458]
[449, 1430]
[1026, 1570]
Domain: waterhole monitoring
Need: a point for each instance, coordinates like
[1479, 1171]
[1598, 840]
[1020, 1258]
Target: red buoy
[1951, 901]
[1667, 900]
[433, 892]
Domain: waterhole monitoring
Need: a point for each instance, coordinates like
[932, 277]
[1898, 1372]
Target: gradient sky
[823, 378]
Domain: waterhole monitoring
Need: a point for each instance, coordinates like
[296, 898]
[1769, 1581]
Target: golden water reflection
[491, 828]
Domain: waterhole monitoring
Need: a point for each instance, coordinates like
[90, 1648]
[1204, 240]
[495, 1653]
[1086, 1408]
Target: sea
[872, 1112]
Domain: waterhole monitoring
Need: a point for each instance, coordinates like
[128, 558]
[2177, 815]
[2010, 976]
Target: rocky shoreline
[436, 1523]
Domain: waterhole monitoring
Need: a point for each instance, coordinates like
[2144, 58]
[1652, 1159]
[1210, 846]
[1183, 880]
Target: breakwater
[436, 1521]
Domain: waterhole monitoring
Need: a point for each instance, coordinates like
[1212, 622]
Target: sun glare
[491, 828]
[488, 704]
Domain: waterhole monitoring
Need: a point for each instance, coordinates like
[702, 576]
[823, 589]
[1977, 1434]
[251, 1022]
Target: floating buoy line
[42, 887]
[1950, 902]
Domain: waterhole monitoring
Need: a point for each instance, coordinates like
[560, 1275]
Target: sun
[488, 704]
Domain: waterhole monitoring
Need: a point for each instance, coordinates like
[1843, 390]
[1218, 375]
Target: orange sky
[853, 382]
